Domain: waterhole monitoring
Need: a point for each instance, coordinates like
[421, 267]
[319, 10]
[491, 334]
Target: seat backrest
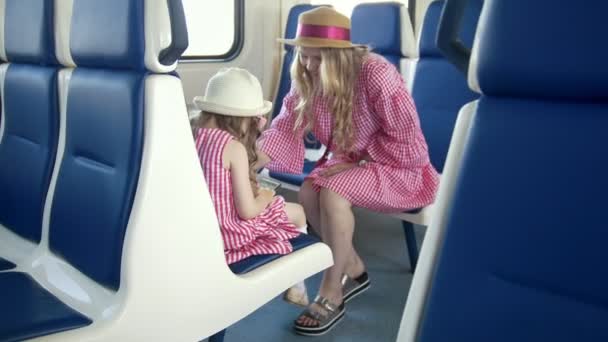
[29, 119]
[521, 246]
[439, 90]
[103, 100]
[387, 28]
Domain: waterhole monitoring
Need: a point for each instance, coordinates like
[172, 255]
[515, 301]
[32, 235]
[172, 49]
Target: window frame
[237, 42]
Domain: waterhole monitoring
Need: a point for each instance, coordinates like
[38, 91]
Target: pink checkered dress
[400, 175]
[267, 233]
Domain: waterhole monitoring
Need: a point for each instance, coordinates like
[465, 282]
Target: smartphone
[268, 183]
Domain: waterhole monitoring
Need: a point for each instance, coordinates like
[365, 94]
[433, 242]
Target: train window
[346, 6]
[214, 29]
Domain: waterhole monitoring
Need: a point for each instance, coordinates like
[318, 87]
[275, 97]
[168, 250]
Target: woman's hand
[345, 166]
[263, 158]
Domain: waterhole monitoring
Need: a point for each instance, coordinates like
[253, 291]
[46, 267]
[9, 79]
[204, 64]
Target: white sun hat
[233, 92]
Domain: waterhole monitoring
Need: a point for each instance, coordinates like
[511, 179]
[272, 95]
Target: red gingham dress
[267, 233]
[386, 124]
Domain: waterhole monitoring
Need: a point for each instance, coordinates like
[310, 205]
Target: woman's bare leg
[337, 225]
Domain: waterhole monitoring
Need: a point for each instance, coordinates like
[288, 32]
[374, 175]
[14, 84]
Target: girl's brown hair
[339, 70]
[232, 125]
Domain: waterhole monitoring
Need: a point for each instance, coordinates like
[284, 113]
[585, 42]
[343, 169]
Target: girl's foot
[297, 295]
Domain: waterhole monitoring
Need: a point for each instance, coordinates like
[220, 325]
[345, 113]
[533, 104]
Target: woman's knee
[307, 196]
[332, 202]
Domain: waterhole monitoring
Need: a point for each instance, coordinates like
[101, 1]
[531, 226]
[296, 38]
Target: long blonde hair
[233, 125]
[339, 70]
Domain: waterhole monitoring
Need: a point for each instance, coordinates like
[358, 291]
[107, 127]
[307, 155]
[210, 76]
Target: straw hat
[322, 27]
[233, 92]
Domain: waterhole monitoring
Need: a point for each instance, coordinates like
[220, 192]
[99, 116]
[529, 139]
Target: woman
[356, 104]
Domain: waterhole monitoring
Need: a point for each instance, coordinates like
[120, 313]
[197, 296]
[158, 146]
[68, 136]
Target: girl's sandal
[325, 320]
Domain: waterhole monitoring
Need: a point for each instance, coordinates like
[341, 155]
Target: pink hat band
[321, 31]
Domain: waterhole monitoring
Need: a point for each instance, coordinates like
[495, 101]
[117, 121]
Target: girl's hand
[266, 195]
[337, 169]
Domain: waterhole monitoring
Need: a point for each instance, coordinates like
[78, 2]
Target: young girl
[252, 219]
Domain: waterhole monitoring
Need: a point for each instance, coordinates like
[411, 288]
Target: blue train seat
[130, 246]
[29, 125]
[438, 88]
[386, 27]
[518, 250]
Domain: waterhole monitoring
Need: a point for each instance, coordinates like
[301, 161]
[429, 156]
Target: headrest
[291, 27]
[386, 27]
[27, 33]
[428, 36]
[134, 34]
[538, 49]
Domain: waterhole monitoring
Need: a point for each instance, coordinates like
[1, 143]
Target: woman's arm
[400, 142]
[282, 146]
[247, 205]
[263, 159]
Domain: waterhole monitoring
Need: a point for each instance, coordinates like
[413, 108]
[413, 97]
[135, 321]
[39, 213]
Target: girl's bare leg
[295, 213]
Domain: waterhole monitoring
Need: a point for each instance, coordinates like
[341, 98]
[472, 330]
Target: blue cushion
[6, 265]
[378, 25]
[99, 171]
[427, 45]
[294, 179]
[28, 146]
[29, 311]
[439, 90]
[29, 31]
[563, 58]
[256, 261]
[284, 82]
[108, 33]
[524, 254]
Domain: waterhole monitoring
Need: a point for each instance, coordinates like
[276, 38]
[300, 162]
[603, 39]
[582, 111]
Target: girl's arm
[247, 205]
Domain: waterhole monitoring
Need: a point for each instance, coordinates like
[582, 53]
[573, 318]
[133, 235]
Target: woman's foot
[352, 287]
[355, 280]
[333, 298]
[319, 317]
[355, 267]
